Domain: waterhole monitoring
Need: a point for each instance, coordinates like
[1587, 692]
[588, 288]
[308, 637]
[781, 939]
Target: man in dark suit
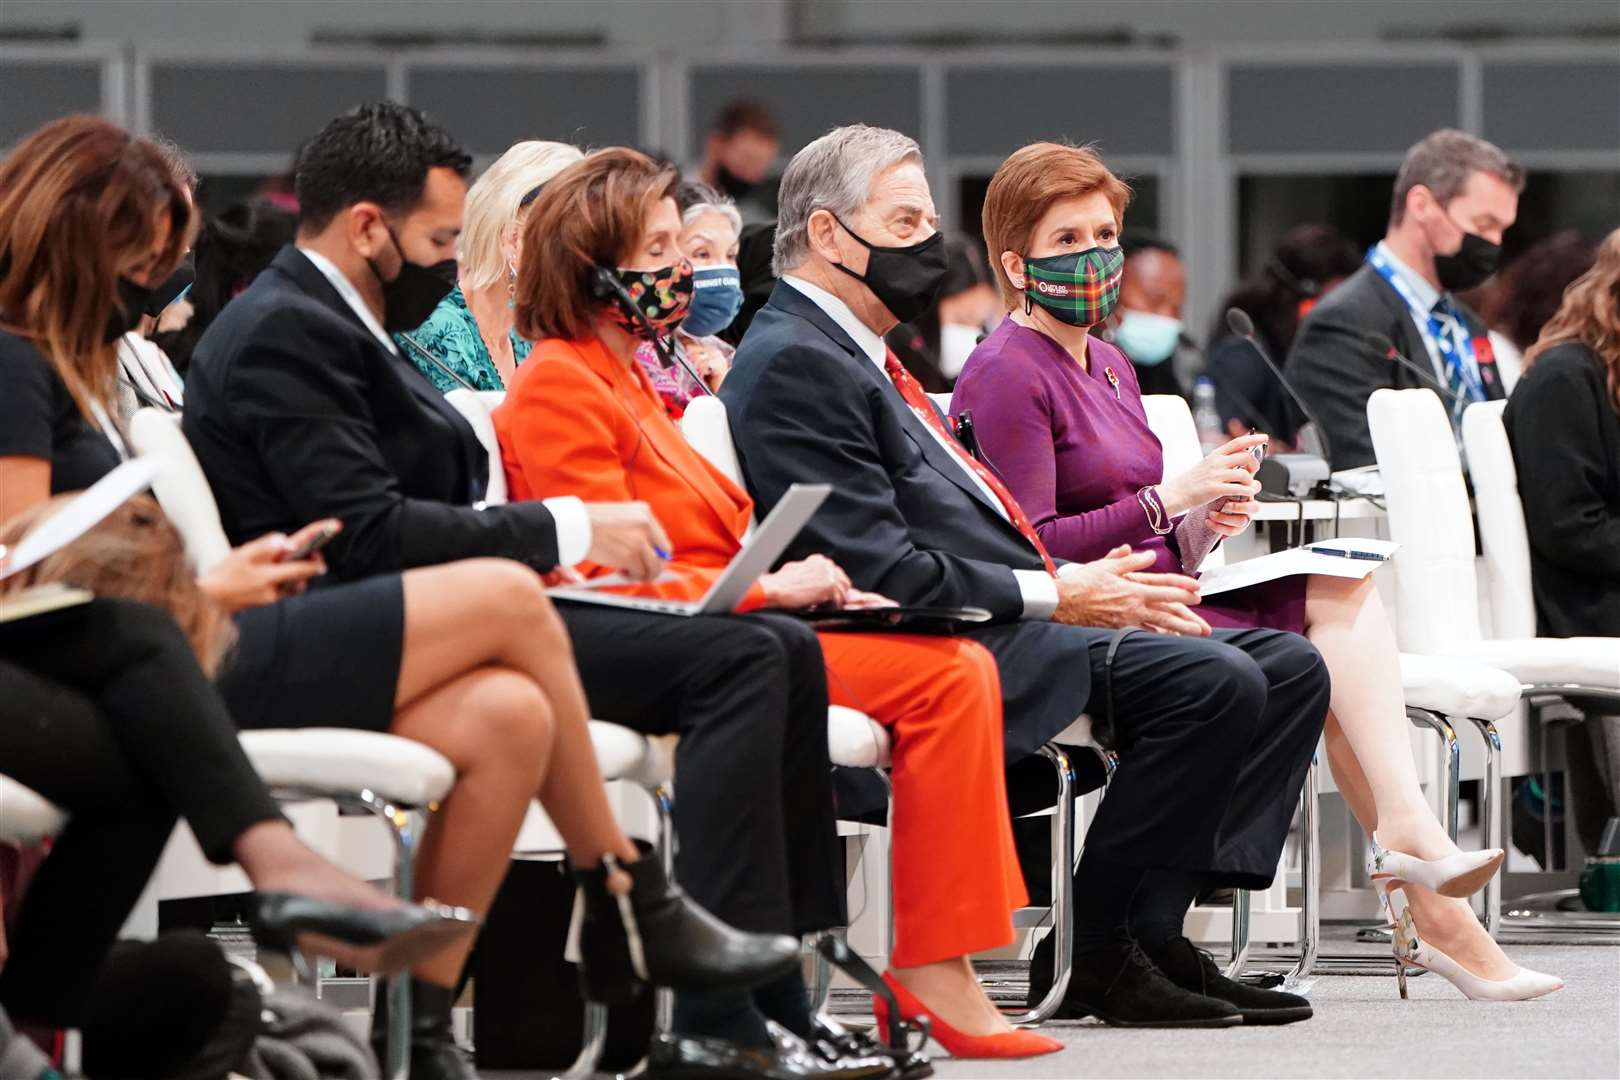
[1214, 731]
[1454, 198]
[299, 407]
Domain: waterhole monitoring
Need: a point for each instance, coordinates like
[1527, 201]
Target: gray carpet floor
[1361, 1029]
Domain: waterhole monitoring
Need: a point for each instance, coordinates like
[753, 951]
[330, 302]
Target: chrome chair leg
[593, 1042]
[664, 800]
[1240, 933]
[1310, 884]
[1489, 811]
[1442, 727]
[402, 827]
[1062, 889]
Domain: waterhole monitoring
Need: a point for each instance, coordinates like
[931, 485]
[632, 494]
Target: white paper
[1300, 560]
[83, 513]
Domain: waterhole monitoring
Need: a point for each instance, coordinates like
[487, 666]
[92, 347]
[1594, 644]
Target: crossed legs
[1369, 751]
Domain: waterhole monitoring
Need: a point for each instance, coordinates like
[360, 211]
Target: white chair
[1435, 689]
[857, 741]
[1505, 540]
[476, 406]
[1437, 598]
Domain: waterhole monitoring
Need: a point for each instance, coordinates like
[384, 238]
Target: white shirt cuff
[573, 528]
[1040, 593]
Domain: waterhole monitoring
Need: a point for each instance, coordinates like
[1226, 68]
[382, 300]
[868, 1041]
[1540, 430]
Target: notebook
[757, 556]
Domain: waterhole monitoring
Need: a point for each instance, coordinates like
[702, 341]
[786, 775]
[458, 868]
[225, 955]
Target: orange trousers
[956, 874]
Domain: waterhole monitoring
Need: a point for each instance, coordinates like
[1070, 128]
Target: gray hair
[1443, 161]
[833, 173]
[696, 199]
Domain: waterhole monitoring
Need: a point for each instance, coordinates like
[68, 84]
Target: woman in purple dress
[1059, 414]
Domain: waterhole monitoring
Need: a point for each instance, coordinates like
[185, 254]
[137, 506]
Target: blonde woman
[468, 342]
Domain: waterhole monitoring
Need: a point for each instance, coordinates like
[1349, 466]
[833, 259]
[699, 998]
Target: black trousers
[1214, 737]
[104, 711]
[747, 694]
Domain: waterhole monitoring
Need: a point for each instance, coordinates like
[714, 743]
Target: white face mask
[955, 345]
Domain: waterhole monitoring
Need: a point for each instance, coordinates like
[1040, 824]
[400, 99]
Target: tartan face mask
[1078, 288]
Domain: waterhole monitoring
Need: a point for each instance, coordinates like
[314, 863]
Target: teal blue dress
[451, 335]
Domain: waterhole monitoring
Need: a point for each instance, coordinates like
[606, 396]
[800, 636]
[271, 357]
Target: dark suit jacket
[297, 412]
[903, 519]
[1565, 434]
[1335, 370]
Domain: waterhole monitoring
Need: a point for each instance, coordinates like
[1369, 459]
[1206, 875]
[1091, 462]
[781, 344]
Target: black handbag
[528, 1012]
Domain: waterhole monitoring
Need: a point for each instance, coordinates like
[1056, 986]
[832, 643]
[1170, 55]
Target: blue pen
[1367, 555]
[661, 553]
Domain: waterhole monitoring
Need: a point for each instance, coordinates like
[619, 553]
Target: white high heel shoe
[1523, 985]
[1459, 875]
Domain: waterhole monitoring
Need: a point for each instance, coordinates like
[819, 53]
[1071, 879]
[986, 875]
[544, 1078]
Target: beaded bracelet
[1153, 506]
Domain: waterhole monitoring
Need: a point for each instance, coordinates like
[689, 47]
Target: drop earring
[511, 286]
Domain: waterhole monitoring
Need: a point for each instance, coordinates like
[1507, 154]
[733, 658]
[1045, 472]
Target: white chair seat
[341, 760]
[25, 815]
[1457, 686]
[1587, 661]
[855, 740]
[623, 754]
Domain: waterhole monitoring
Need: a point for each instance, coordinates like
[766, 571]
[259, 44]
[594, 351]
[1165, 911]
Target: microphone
[1238, 321]
[605, 284]
[1386, 348]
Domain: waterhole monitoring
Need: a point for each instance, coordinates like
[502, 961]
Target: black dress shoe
[664, 938]
[695, 1057]
[382, 942]
[1119, 985]
[908, 1063]
[1192, 968]
[434, 1054]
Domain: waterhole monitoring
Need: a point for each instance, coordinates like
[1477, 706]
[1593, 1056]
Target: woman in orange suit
[582, 418]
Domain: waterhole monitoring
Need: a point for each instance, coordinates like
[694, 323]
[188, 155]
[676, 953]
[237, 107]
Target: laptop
[757, 556]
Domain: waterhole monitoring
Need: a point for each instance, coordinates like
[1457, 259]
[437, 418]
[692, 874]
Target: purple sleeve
[1013, 420]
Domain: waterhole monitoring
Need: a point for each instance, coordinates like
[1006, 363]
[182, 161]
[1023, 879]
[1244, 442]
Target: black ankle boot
[1042, 972]
[1191, 968]
[656, 934]
[1119, 985]
[434, 1053]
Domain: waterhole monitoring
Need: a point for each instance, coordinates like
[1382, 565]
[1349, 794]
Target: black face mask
[732, 184]
[168, 292]
[906, 280]
[1475, 261]
[127, 309]
[410, 297]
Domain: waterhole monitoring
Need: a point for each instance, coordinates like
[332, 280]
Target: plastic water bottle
[1208, 418]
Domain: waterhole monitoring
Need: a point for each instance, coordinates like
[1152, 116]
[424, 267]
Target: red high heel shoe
[1004, 1044]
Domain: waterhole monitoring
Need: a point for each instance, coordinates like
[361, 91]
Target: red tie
[924, 409]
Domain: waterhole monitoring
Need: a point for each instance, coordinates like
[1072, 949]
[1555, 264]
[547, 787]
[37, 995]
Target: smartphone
[320, 539]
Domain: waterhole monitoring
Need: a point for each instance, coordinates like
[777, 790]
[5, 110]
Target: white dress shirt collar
[351, 296]
[1037, 587]
[865, 338]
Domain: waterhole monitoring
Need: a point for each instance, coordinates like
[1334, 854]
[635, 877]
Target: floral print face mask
[662, 297]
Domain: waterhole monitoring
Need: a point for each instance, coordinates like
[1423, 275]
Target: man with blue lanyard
[1455, 196]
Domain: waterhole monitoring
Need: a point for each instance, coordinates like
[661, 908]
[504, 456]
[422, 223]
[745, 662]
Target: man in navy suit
[1215, 731]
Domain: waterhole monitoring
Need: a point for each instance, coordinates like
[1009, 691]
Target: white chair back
[1172, 421]
[941, 400]
[1436, 588]
[476, 406]
[181, 488]
[705, 426]
[1501, 521]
